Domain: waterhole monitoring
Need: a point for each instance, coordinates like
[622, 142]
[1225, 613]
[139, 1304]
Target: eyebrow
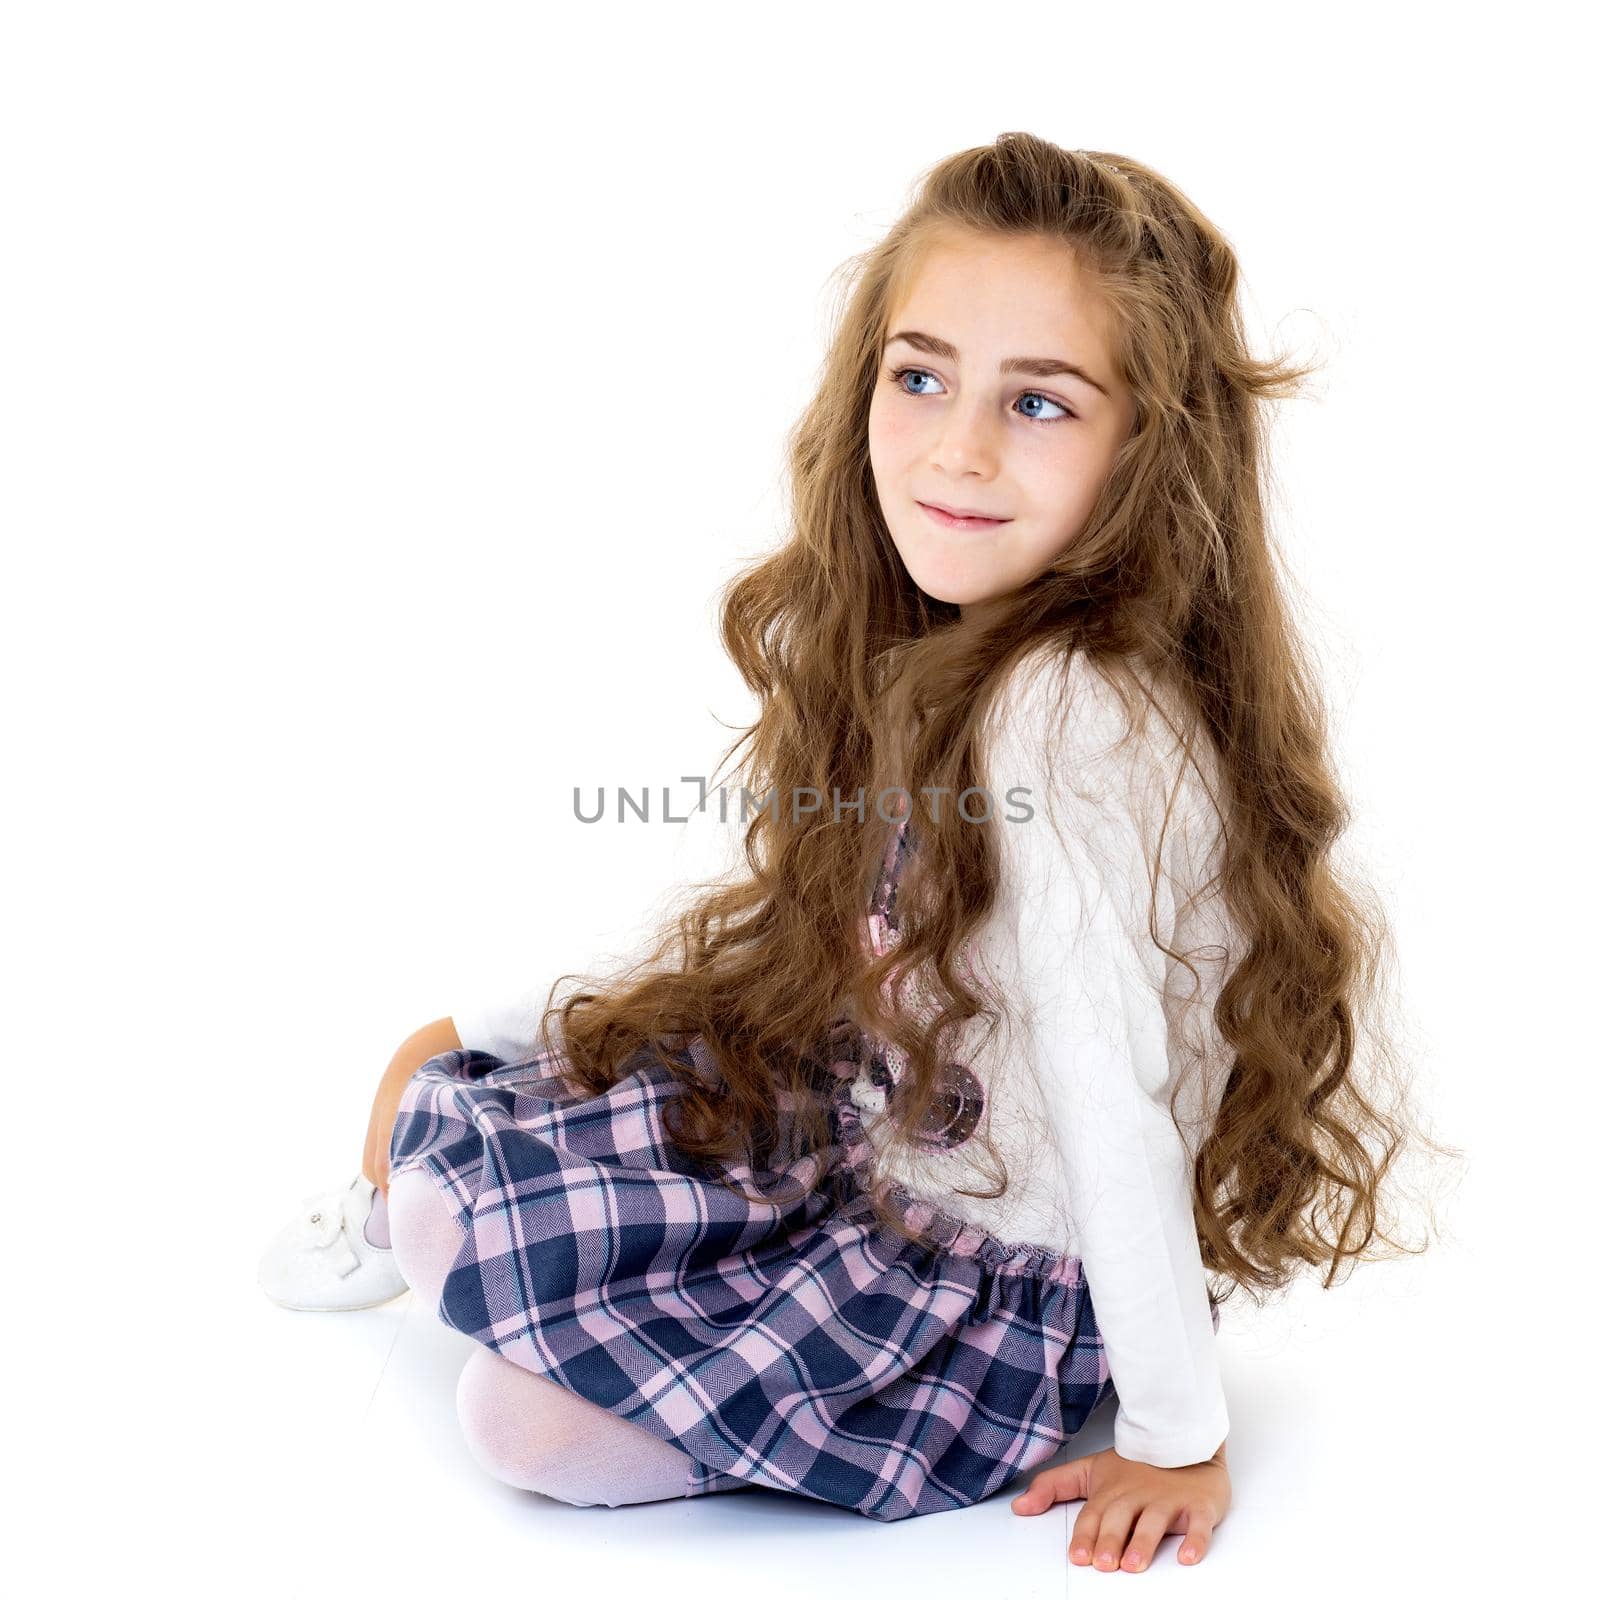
[1032, 366]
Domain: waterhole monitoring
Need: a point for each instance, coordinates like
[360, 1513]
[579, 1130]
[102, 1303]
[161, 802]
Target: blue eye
[899, 374]
[1044, 399]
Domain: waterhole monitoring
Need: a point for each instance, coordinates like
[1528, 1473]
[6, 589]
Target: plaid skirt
[791, 1343]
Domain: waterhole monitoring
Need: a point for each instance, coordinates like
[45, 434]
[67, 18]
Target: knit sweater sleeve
[1081, 891]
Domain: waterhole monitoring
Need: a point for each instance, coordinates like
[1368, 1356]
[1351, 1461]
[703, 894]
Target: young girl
[918, 1139]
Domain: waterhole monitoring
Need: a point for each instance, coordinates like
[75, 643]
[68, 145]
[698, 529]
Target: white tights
[523, 1428]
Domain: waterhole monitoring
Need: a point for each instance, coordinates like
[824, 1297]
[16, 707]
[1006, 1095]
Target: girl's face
[996, 395]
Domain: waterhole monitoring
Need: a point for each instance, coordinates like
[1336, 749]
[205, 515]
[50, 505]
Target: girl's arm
[1093, 980]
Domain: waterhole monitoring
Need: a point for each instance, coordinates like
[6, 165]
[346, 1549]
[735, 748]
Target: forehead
[998, 296]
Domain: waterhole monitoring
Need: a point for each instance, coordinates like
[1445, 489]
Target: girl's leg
[523, 1428]
[530, 1432]
[377, 1228]
[422, 1234]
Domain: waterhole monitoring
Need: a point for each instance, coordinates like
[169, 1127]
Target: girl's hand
[1121, 1495]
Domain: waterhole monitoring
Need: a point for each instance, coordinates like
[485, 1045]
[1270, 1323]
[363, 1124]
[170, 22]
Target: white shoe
[323, 1261]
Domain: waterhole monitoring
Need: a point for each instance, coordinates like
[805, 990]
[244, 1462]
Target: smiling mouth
[947, 519]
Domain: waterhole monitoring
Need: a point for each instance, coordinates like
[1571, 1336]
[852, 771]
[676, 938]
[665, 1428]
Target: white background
[387, 391]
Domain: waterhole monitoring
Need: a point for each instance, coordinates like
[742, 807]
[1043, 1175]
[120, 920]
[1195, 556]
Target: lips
[947, 517]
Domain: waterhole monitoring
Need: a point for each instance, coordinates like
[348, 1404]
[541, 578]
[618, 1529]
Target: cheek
[1067, 485]
[888, 433]
[1067, 473]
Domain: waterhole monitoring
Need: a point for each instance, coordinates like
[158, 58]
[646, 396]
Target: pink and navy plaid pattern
[783, 1341]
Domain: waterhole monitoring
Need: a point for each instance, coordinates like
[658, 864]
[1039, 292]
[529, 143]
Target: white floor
[1421, 1428]
[1350, 1458]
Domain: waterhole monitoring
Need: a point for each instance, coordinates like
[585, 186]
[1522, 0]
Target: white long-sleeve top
[1098, 1024]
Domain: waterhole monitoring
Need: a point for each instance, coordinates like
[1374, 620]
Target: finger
[1198, 1539]
[1068, 1482]
[1147, 1535]
[1115, 1521]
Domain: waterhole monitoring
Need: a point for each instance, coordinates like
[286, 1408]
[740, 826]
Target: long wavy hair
[864, 683]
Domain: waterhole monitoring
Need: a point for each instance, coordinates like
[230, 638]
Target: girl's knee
[526, 1430]
[512, 1421]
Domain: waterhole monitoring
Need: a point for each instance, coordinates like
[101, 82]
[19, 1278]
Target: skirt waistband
[943, 1229]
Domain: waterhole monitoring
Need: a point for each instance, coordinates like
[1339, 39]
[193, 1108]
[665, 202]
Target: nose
[966, 441]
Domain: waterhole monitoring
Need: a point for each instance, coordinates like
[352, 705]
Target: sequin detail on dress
[958, 1103]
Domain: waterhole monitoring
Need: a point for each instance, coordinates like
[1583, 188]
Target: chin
[950, 593]
[952, 590]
